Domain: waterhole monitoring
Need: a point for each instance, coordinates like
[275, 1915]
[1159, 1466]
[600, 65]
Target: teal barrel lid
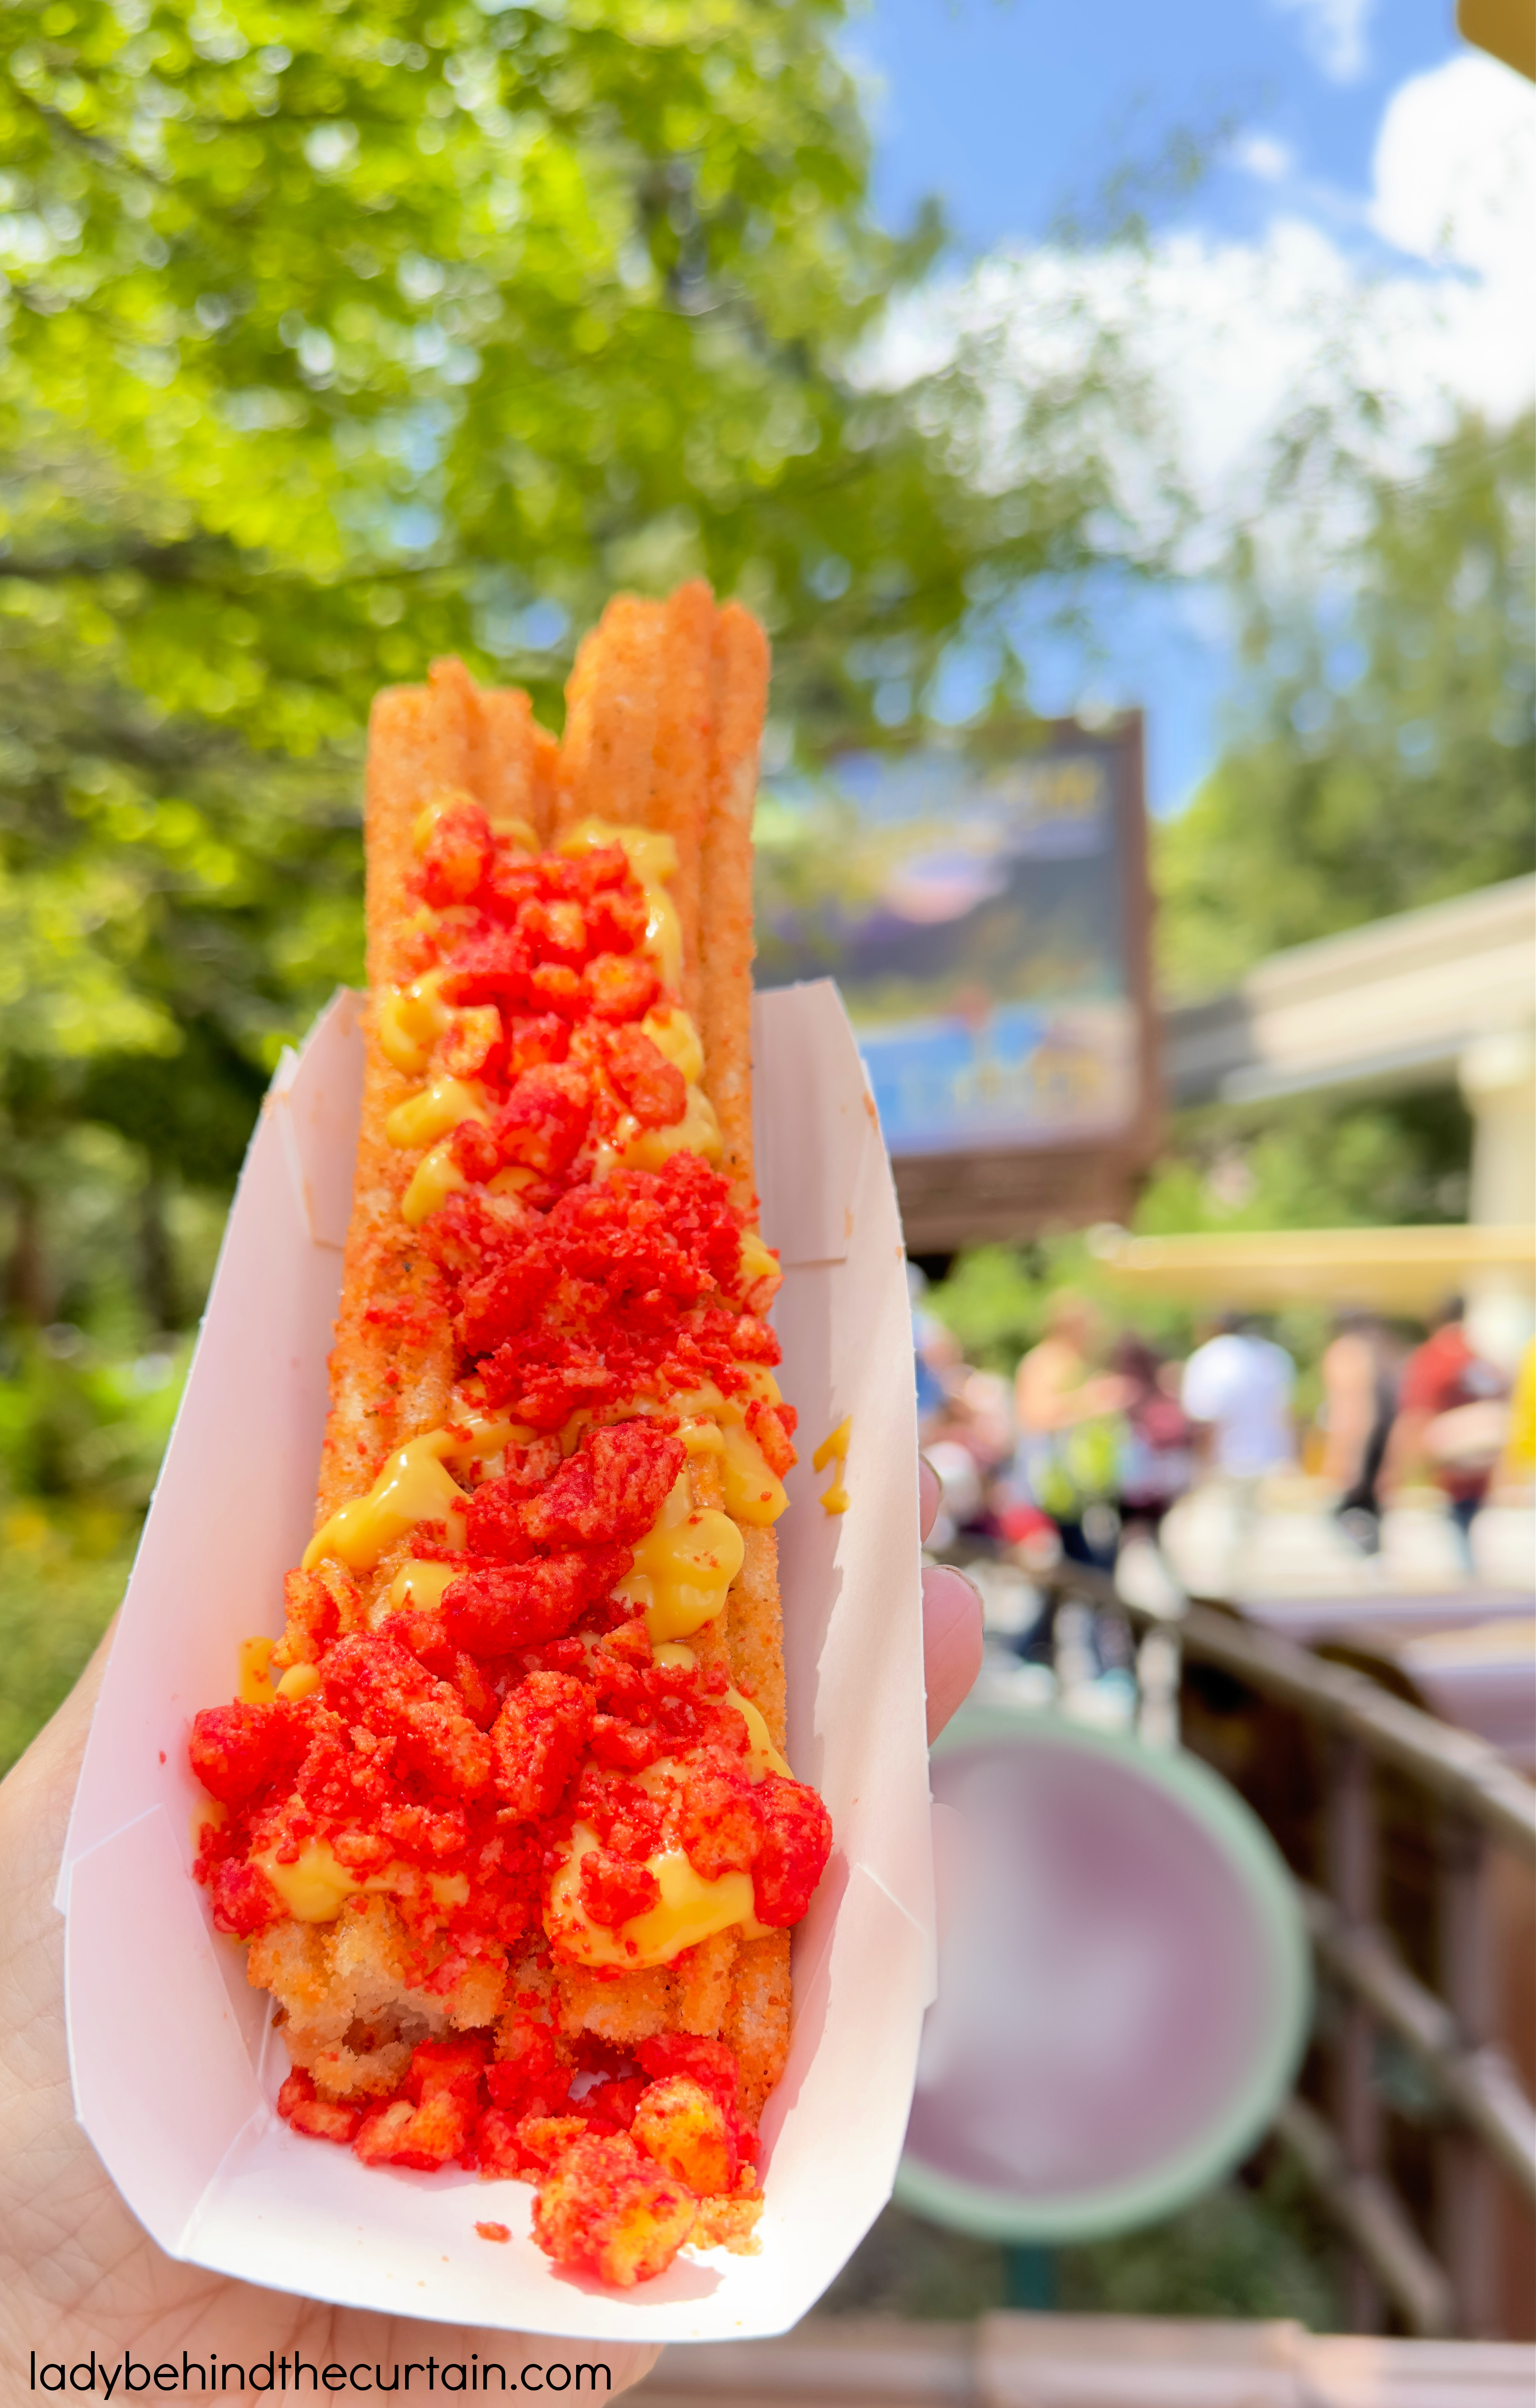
[1124, 1990]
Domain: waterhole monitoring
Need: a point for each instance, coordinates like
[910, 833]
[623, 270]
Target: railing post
[1158, 1671]
[1351, 1874]
[1467, 2206]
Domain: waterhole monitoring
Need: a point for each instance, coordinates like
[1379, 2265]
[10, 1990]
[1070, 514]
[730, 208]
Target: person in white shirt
[1237, 1391]
[1238, 1387]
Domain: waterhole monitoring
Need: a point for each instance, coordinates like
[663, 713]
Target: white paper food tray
[174, 2069]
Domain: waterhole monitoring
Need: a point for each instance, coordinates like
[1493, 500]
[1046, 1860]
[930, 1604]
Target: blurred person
[1031, 1541]
[968, 1437]
[1451, 1420]
[1237, 1392]
[1361, 1369]
[962, 1499]
[1156, 1469]
[975, 1412]
[1157, 1459]
[936, 1353]
[1070, 1430]
[984, 1400]
[1029, 1536]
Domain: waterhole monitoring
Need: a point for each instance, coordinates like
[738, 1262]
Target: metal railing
[1487, 2120]
[1066, 2361]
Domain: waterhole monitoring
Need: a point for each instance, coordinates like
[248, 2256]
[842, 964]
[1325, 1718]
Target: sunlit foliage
[1385, 754]
[335, 337]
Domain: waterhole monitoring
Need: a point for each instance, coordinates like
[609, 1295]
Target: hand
[78, 2273]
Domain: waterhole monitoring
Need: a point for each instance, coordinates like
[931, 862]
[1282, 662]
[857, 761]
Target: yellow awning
[1401, 1269]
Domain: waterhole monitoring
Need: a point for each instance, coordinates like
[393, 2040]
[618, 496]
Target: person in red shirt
[1441, 1377]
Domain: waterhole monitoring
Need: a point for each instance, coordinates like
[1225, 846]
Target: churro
[504, 1816]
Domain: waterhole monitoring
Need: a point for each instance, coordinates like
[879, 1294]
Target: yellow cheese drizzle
[834, 1449]
[756, 1261]
[413, 1486]
[697, 1132]
[676, 1040]
[434, 1180]
[435, 1110]
[689, 1910]
[316, 1886]
[254, 1684]
[418, 1587]
[683, 1565]
[713, 1424]
[411, 1021]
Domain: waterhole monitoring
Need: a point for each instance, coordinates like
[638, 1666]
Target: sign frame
[971, 1190]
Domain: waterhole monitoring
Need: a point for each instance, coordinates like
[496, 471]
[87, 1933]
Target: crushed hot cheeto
[504, 1816]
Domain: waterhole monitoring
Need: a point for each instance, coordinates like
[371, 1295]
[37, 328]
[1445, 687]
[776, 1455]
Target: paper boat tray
[175, 2069]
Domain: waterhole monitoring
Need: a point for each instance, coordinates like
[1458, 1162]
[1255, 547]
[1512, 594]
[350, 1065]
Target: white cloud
[1237, 341]
[1263, 155]
[1334, 34]
[1455, 167]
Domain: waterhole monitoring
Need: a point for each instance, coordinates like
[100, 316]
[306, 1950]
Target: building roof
[1394, 1004]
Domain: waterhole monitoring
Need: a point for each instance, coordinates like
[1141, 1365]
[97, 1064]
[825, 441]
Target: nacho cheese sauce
[486, 1709]
[833, 1451]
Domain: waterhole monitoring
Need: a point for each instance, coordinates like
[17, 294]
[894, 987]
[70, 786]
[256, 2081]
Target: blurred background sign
[987, 919]
[1124, 1992]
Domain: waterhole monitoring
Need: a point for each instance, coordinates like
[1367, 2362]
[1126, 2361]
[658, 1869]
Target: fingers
[951, 1641]
[930, 1488]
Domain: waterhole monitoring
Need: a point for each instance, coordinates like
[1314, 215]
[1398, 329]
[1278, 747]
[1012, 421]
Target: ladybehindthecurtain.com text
[293, 2372]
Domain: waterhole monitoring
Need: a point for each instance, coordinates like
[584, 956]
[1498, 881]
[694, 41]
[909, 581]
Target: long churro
[504, 1816]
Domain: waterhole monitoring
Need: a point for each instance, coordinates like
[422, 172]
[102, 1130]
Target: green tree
[333, 337]
[1386, 755]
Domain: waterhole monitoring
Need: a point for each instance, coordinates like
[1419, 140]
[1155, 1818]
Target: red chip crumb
[609, 2208]
[425, 2137]
[651, 1087]
[687, 2133]
[495, 2232]
[538, 1741]
[544, 1118]
[238, 1749]
[614, 1891]
[322, 2119]
[458, 852]
[796, 1845]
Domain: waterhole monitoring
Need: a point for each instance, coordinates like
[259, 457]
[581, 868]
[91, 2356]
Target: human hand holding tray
[174, 2065]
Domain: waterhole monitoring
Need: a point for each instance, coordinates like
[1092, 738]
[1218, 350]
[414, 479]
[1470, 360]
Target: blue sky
[1010, 111]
